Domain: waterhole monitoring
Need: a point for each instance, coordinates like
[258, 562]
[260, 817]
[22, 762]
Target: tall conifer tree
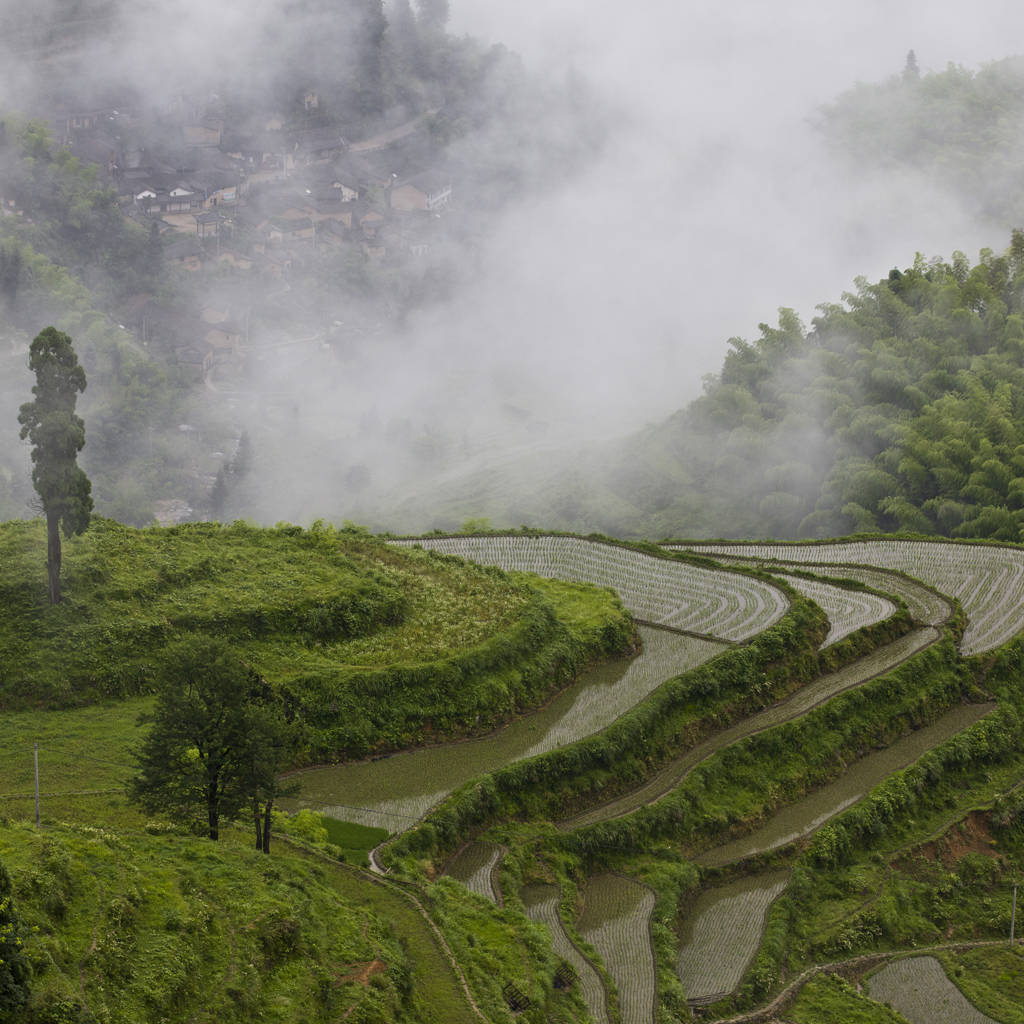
[57, 436]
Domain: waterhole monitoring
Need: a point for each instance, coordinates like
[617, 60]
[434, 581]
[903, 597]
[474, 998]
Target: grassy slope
[117, 908]
[139, 927]
[335, 617]
[827, 999]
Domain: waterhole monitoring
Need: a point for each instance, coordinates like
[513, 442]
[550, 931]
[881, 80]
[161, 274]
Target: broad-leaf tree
[57, 436]
[218, 739]
[272, 743]
[14, 968]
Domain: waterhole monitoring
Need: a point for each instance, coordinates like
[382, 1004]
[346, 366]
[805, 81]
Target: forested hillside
[898, 406]
[958, 127]
[901, 408]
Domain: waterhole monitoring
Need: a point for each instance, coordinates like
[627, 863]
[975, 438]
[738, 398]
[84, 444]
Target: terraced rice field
[925, 605]
[847, 610]
[394, 792]
[541, 905]
[988, 581]
[721, 936]
[879, 661]
[475, 866]
[919, 989]
[616, 921]
[805, 816]
[659, 591]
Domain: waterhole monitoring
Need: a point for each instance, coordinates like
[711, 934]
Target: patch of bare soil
[360, 974]
[969, 835]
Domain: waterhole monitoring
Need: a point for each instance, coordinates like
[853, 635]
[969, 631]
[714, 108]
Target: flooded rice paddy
[393, 792]
[881, 660]
[721, 936]
[925, 605]
[803, 817]
[541, 904]
[475, 866]
[919, 989]
[616, 921]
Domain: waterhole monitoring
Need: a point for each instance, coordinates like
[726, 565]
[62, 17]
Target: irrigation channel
[674, 599]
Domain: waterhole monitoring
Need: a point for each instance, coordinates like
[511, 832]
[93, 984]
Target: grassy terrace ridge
[335, 618]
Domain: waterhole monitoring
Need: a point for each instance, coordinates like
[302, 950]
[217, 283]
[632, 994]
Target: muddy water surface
[395, 791]
[804, 816]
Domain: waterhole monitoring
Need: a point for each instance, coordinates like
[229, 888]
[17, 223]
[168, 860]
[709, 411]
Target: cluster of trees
[958, 127]
[220, 736]
[901, 408]
[73, 216]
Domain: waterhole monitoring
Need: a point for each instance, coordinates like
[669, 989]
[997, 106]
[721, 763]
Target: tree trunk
[266, 827]
[258, 823]
[212, 809]
[53, 555]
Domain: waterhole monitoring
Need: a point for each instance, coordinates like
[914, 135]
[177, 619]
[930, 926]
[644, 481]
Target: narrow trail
[409, 898]
[770, 1011]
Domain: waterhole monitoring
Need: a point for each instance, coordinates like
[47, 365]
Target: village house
[430, 190]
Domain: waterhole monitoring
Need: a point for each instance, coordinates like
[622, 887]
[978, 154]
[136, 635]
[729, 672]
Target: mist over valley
[613, 199]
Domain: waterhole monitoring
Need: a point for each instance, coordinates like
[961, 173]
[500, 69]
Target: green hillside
[898, 407]
[332, 619]
[125, 926]
[123, 918]
[959, 128]
[598, 851]
[901, 407]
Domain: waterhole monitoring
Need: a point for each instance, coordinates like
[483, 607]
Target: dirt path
[384, 139]
[781, 1002]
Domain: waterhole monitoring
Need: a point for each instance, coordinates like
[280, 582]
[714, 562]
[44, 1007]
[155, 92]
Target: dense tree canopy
[218, 739]
[901, 408]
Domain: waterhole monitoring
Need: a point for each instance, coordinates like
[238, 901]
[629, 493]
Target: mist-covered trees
[900, 408]
[57, 436]
[218, 739]
[959, 128]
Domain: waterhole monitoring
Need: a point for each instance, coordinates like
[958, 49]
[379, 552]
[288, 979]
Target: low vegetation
[864, 882]
[138, 927]
[334, 620]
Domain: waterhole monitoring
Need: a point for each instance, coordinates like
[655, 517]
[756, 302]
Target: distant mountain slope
[959, 128]
[901, 408]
